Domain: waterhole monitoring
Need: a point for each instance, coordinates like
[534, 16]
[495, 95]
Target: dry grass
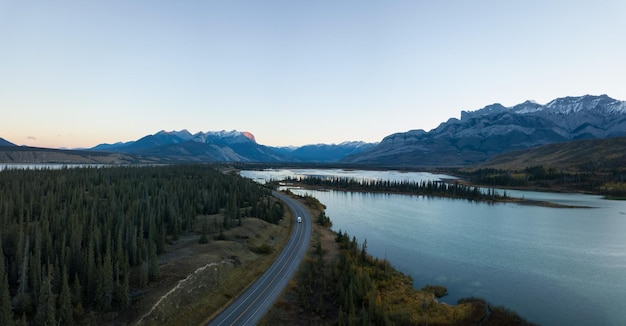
[197, 280]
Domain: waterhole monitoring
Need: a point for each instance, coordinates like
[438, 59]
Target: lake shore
[490, 200]
[312, 294]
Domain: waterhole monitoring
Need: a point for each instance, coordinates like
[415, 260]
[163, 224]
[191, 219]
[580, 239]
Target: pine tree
[122, 293]
[66, 311]
[364, 251]
[23, 275]
[46, 305]
[122, 288]
[143, 274]
[205, 230]
[104, 287]
[77, 291]
[6, 310]
[153, 263]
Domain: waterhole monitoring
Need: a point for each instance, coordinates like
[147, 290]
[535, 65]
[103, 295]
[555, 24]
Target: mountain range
[474, 138]
[496, 129]
[229, 146]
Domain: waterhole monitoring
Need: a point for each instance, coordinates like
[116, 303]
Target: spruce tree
[105, 286]
[6, 310]
[153, 263]
[66, 311]
[46, 304]
[77, 291]
[205, 231]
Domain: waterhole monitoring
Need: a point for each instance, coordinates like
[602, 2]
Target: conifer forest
[75, 240]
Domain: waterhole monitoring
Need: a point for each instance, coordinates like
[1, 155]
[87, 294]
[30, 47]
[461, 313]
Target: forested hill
[25, 154]
[81, 240]
[594, 166]
[594, 154]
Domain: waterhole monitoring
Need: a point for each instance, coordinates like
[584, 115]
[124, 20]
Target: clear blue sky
[80, 73]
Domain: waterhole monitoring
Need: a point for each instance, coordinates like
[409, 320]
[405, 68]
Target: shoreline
[507, 199]
[310, 297]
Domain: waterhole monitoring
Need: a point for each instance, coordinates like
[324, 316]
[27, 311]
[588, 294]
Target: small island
[449, 189]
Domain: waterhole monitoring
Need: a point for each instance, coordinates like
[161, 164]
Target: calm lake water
[553, 266]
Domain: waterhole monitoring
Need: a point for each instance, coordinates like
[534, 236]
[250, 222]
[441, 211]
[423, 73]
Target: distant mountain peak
[249, 135]
[562, 105]
[572, 104]
[183, 134]
[495, 129]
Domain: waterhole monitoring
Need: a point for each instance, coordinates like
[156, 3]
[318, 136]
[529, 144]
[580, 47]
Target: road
[251, 305]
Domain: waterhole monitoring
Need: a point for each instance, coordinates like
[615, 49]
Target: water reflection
[554, 266]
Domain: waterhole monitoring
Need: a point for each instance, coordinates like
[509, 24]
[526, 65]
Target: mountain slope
[495, 129]
[228, 146]
[325, 152]
[150, 141]
[4, 142]
[596, 154]
[211, 146]
[25, 154]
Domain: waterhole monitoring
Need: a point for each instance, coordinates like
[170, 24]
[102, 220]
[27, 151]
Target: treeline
[349, 290]
[522, 178]
[81, 240]
[424, 188]
[347, 286]
[611, 183]
[358, 289]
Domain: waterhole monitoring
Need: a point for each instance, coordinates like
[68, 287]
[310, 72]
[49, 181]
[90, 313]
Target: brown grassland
[197, 280]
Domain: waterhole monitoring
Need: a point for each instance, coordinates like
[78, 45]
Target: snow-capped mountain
[228, 146]
[495, 128]
[325, 152]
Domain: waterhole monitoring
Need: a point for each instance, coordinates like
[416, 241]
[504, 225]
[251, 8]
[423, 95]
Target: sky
[75, 74]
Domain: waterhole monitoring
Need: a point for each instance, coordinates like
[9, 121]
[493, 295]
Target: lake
[553, 266]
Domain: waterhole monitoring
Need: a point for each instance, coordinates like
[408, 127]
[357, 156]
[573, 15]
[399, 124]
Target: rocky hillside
[495, 129]
[182, 146]
[589, 154]
[25, 154]
[228, 146]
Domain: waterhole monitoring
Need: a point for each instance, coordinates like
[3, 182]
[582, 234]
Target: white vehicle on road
[299, 219]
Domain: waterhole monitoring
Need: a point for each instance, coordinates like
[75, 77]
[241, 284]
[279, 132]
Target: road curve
[253, 303]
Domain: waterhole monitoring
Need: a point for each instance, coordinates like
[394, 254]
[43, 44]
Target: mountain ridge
[228, 146]
[495, 129]
[475, 137]
[590, 154]
[4, 142]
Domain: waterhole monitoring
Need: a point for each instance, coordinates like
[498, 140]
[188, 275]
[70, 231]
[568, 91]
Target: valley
[562, 148]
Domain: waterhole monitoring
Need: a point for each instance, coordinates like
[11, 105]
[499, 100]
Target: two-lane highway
[253, 303]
